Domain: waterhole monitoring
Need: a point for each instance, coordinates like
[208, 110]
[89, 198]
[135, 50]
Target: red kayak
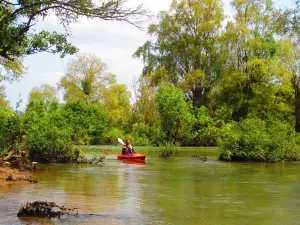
[132, 156]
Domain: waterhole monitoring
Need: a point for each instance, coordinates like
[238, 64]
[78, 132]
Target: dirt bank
[15, 176]
[15, 168]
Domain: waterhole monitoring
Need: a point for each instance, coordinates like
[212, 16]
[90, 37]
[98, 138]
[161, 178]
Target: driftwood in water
[43, 209]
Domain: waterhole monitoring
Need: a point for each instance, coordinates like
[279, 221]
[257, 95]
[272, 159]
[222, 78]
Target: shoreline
[15, 176]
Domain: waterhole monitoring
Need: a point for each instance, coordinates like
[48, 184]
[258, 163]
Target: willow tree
[18, 37]
[185, 47]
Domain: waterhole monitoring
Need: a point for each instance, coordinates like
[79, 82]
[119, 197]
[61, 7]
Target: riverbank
[16, 168]
[15, 176]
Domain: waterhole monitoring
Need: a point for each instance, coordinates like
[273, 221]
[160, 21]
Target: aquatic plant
[168, 149]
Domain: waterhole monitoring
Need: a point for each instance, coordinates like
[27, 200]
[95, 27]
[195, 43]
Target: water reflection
[133, 161]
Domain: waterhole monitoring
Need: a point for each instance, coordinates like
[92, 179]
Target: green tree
[176, 114]
[185, 46]
[116, 104]
[87, 122]
[86, 79]
[47, 135]
[45, 93]
[11, 129]
[17, 19]
[260, 140]
[145, 120]
[252, 80]
[145, 109]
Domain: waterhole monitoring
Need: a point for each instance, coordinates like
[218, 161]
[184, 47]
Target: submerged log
[43, 209]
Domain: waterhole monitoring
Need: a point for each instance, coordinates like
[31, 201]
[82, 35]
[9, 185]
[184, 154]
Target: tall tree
[86, 79]
[252, 80]
[116, 103]
[185, 46]
[145, 108]
[287, 25]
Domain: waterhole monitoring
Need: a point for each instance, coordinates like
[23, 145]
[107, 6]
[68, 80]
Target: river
[163, 191]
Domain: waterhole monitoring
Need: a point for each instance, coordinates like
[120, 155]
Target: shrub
[11, 129]
[88, 122]
[47, 136]
[210, 128]
[258, 140]
[168, 149]
[199, 156]
[111, 136]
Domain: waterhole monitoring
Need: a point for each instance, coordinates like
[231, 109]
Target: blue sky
[113, 42]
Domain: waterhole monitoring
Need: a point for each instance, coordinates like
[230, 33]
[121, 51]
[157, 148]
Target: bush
[88, 122]
[258, 140]
[47, 136]
[199, 156]
[210, 128]
[138, 140]
[168, 149]
[139, 134]
[111, 136]
[11, 129]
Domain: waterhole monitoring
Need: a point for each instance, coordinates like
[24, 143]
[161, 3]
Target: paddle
[121, 141]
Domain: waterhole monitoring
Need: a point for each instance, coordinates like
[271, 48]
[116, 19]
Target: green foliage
[199, 156]
[45, 93]
[110, 137]
[88, 122]
[116, 103]
[185, 47]
[168, 149]
[17, 18]
[47, 135]
[86, 79]
[200, 74]
[210, 128]
[3, 101]
[175, 113]
[11, 129]
[260, 140]
[139, 134]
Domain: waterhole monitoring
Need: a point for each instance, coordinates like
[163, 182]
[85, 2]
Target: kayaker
[127, 148]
